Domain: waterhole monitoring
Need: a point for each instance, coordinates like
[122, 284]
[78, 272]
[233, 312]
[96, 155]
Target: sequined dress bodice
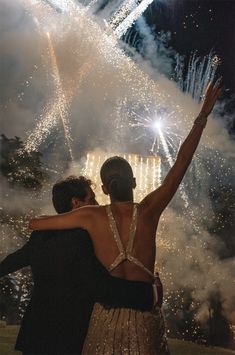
[125, 254]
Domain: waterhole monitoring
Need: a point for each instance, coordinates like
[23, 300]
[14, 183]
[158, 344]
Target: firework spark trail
[115, 56]
[43, 128]
[62, 100]
[63, 5]
[57, 107]
[131, 18]
[92, 3]
[165, 147]
[122, 13]
[199, 73]
[51, 113]
[154, 144]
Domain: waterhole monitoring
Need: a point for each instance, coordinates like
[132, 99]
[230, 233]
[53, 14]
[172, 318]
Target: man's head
[117, 178]
[72, 192]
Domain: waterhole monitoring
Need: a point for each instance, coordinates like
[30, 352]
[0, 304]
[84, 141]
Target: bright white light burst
[157, 125]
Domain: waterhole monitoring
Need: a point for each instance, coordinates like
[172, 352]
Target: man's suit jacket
[68, 279]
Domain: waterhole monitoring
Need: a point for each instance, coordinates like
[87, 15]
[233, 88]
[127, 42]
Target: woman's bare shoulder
[93, 210]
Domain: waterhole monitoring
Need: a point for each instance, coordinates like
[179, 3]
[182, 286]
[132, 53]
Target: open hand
[211, 95]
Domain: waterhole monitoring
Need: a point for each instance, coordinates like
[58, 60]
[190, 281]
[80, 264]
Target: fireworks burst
[122, 13]
[127, 22]
[58, 108]
[149, 113]
[200, 71]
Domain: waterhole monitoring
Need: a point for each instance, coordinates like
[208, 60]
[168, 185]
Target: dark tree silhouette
[20, 167]
[19, 170]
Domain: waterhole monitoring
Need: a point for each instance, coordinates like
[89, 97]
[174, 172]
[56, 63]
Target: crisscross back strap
[125, 254]
[113, 227]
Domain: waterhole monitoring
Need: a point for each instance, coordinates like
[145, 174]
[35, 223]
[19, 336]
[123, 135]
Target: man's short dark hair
[64, 190]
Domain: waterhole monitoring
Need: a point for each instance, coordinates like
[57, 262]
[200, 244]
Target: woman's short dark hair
[117, 176]
[64, 190]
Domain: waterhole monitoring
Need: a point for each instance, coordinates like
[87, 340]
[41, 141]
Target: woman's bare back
[106, 247]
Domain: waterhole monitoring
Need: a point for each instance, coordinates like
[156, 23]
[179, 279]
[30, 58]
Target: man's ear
[134, 183]
[76, 203]
[104, 190]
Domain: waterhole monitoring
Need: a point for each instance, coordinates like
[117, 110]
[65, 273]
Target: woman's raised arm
[158, 199]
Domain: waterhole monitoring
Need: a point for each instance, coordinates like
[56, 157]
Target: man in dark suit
[68, 279]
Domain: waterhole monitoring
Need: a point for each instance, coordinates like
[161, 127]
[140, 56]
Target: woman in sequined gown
[123, 234]
[123, 330]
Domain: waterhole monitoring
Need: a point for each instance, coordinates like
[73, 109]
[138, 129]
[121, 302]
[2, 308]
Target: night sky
[201, 25]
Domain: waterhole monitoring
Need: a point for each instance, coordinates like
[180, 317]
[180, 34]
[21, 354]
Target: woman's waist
[108, 311]
[133, 272]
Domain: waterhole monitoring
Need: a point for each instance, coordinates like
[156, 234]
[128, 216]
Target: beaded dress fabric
[122, 330]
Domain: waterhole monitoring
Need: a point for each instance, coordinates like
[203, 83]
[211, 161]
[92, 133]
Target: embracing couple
[70, 284]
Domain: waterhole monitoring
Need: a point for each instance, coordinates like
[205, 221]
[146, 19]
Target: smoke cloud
[100, 92]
